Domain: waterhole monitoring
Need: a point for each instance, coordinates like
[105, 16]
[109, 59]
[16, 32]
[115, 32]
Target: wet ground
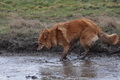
[47, 66]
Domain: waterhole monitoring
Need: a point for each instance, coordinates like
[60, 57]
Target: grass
[47, 9]
[30, 12]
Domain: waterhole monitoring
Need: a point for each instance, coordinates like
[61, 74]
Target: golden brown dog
[63, 34]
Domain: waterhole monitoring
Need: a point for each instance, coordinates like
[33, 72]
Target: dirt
[47, 66]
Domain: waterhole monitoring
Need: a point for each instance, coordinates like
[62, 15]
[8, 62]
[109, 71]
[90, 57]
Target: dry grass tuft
[106, 21]
[49, 25]
[25, 28]
[20, 23]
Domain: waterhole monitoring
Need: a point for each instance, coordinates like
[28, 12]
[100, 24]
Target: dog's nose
[38, 49]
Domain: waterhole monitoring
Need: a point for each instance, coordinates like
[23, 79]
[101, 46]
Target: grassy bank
[22, 20]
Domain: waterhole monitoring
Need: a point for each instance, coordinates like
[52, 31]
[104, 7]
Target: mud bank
[26, 41]
[47, 66]
[30, 45]
[23, 36]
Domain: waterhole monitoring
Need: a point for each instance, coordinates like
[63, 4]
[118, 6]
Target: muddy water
[47, 66]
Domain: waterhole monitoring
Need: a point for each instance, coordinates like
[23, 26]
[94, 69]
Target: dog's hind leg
[88, 37]
[86, 48]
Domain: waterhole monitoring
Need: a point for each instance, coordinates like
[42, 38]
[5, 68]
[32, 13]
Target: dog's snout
[38, 49]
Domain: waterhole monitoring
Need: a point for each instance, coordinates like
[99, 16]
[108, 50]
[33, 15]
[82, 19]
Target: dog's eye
[40, 43]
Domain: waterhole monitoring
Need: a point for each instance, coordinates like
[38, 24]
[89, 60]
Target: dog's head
[44, 39]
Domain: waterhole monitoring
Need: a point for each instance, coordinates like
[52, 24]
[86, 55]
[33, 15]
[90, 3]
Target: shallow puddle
[49, 67]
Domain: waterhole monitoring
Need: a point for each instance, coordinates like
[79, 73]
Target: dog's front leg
[64, 54]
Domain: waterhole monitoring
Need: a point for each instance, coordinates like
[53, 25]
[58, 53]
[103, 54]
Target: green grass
[57, 10]
[44, 9]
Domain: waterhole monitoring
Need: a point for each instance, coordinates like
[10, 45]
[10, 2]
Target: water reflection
[84, 69]
[88, 70]
[68, 70]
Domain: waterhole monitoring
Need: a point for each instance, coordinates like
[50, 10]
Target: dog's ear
[45, 33]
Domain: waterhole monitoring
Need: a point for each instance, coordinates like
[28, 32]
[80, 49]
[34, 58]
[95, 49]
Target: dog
[83, 30]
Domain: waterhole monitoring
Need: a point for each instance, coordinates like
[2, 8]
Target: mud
[21, 43]
[47, 66]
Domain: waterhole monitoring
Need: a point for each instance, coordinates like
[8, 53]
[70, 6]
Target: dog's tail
[109, 39]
